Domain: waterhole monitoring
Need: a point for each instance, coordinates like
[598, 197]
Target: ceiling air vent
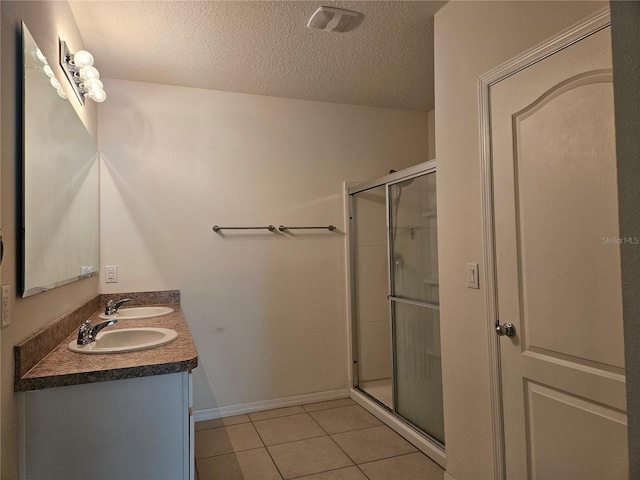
[332, 19]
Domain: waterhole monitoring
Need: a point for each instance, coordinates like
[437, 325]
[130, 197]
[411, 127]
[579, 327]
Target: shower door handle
[507, 329]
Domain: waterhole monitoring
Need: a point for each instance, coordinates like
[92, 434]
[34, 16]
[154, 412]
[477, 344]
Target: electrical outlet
[111, 272]
[87, 271]
[6, 305]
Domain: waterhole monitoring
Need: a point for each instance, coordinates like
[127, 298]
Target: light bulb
[61, 93]
[92, 84]
[98, 96]
[54, 83]
[89, 72]
[48, 71]
[41, 56]
[82, 58]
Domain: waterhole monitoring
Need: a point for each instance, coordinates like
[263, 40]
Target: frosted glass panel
[414, 241]
[418, 367]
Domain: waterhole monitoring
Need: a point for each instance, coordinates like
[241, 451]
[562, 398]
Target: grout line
[279, 416]
[318, 423]
[228, 438]
[362, 471]
[274, 462]
[265, 446]
[298, 440]
[342, 450]
[328, 408]
[357, 429]
[259, 436]
[229, 453]
[292, 441]
[220, 426]
[326, 471]
[272, 418]
[276, 418]
[396, 456]
[378, 459]
[334, 442]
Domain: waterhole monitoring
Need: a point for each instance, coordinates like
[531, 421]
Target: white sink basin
[134, 313]
[126, 340]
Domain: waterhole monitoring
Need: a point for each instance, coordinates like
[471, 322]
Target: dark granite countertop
[62, 367]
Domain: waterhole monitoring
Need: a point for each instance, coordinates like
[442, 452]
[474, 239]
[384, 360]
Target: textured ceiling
[265, 48]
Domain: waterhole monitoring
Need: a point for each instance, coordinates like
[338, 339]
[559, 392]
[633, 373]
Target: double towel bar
[271, 228]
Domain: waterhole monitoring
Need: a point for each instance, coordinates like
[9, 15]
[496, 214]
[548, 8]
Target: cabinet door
[192, 447]
[125, 429]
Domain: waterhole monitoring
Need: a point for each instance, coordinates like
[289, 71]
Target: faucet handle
[84, 333]
[110, 308]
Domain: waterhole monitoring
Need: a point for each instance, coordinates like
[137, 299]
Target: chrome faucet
[112, 307]
[87, 333]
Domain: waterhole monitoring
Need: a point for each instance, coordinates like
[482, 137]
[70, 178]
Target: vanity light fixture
[83, 76]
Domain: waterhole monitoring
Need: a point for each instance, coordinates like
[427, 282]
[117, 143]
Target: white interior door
[558, 266]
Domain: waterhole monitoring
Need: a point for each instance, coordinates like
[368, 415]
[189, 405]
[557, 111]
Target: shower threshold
[423, 441]
[381, 390]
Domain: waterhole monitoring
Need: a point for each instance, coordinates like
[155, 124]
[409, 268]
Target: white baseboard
[228, 411]
[420, 442]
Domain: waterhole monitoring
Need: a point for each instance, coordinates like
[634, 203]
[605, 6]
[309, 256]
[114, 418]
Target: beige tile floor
[334, 440]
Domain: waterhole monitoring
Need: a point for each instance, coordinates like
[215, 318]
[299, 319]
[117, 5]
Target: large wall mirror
[60, 242]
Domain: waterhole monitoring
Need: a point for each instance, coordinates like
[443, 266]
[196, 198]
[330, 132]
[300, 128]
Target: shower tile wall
[374, 326]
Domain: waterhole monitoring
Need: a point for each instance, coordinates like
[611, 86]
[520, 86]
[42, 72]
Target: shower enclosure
[395, 307]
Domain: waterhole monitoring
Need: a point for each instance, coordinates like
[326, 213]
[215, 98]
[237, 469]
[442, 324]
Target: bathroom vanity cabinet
[120, 416]
[136, 428]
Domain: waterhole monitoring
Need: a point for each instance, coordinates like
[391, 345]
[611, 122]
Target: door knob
[507, 329]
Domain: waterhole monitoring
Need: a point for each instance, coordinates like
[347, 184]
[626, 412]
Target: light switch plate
[6, 305]
[472, 276]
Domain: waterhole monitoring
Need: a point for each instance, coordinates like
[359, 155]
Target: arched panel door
[558, 266]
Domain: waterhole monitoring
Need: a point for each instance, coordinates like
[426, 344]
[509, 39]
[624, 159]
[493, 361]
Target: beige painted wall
[470, 39]
[46, 22]
[431, 139]
[267, 310]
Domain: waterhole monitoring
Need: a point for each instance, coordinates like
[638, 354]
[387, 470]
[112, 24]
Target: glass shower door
[415, 303]
[371, 273]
